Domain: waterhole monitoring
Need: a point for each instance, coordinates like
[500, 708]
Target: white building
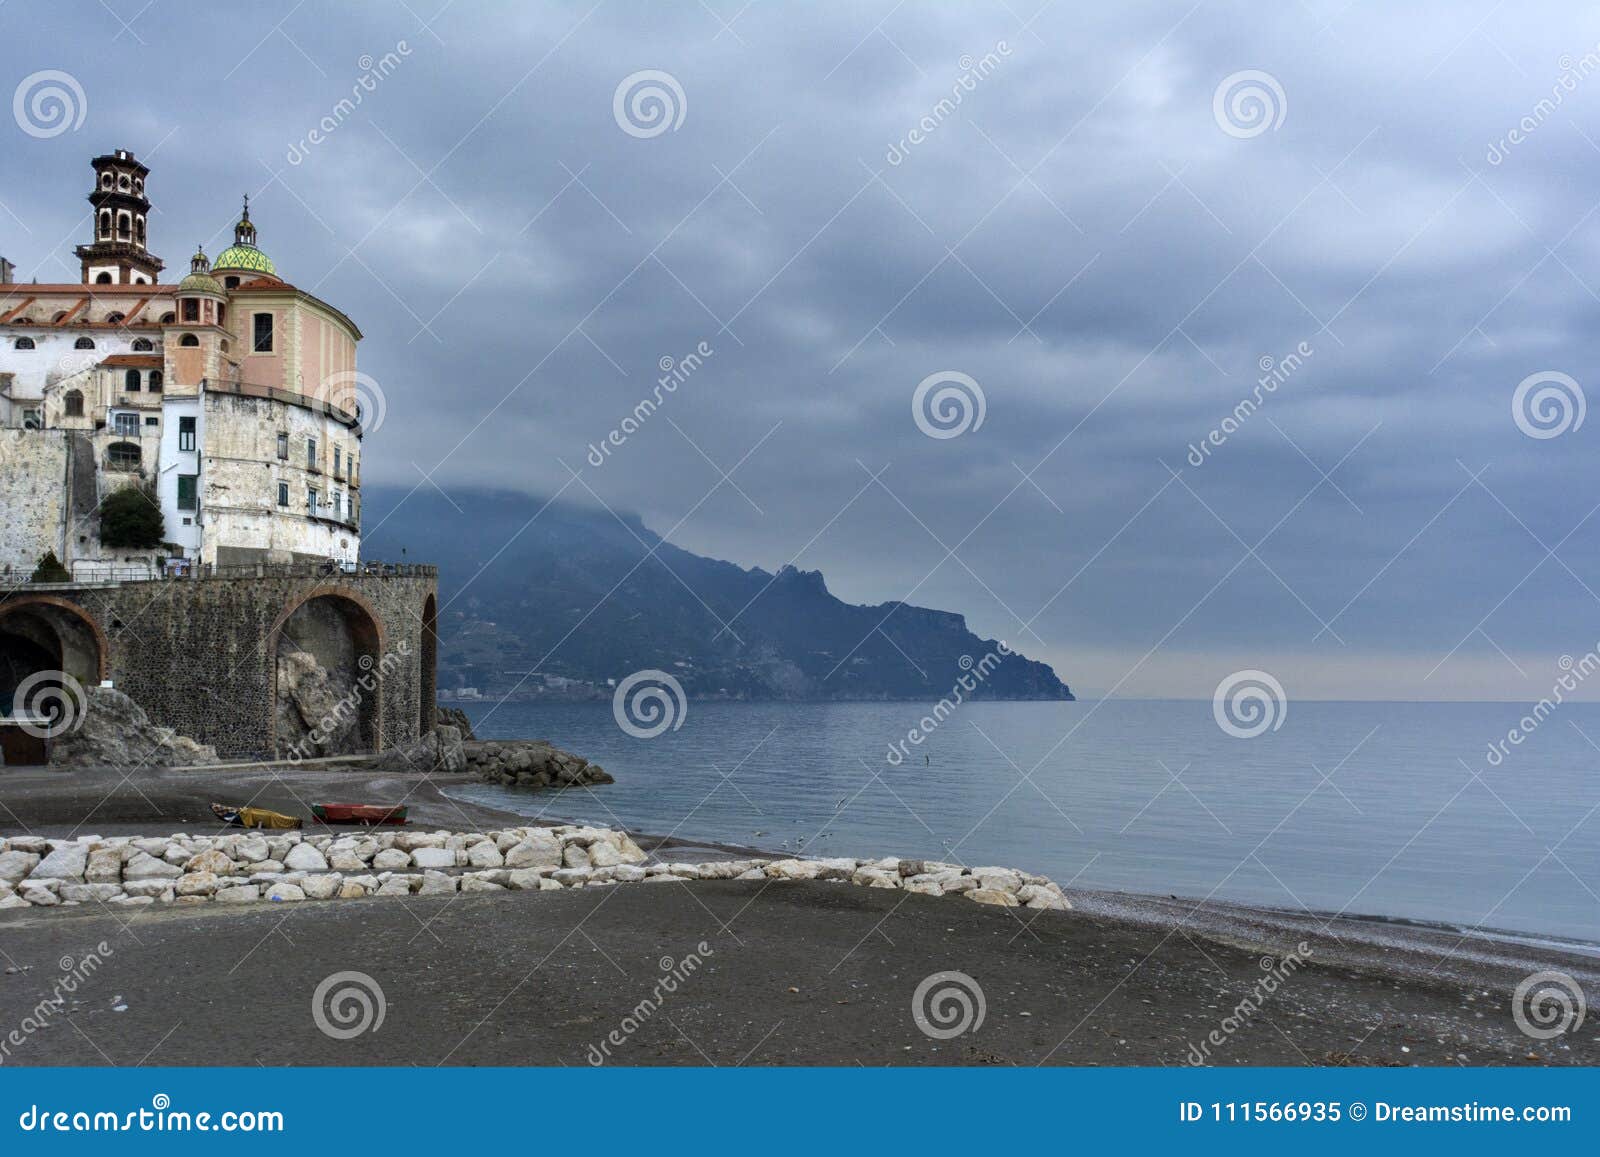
[230, 399]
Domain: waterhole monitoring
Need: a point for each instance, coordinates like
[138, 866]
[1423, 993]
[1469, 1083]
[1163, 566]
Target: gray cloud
[1079, 236]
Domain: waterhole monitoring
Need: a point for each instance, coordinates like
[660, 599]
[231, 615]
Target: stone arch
[43, 635]
[430, 665]
[325, 674]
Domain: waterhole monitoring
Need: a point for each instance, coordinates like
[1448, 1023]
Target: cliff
[560, 604]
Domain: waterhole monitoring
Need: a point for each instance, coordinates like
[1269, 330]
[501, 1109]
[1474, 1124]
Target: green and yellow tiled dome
[246, 257]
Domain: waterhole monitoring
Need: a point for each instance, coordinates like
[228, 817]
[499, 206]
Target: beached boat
[359, 813]
[253, 817]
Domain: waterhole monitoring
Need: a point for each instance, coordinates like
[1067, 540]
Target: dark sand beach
[799, 972]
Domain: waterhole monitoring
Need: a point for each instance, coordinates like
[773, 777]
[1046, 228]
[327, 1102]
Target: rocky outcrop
[115, 732]
[531, 763]
[453, 717]
[441, 750]
[290, 867]
[314, 717]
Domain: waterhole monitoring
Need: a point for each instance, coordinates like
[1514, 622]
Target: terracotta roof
[125, 290]
[135, 361]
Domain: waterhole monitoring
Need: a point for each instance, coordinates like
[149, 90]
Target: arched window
[105, 224]
[168, 318]
[155, 381]
[142, 345]
[231, 282]
[130, 381]
[188, 340]
[105, 180]
[23, 343]
[114, 318]
[103, 279]
[61, 316]
[123, 182]
[74, 403]
[191, 309]
[83, 343]
[123, 456]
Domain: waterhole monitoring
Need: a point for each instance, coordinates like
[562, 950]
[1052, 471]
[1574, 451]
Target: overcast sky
[1098, 234]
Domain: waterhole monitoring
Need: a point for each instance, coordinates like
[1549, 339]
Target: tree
[130, 519]
[50, 570]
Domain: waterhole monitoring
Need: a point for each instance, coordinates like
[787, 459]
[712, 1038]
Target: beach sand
[791, 973]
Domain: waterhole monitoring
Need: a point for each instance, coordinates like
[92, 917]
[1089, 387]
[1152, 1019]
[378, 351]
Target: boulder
[90, 893]
[422, 858]
[197, 884]
[575, 856]
[395, 886]
[284, 893]
[305, 858]
[239, 894]
[485, 855]
[1047, 896]
[480, 884]
[793, 869]
[390, 859]
[210, 861]
[434, 883]
[539, 848]
[993, 896]
[115, 732]
[453, 717]
[104, 867]
[159, 888]
[66, 862]
[15, 865]
[321, 887]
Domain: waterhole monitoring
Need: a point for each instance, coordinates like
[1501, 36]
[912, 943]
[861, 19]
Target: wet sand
[796, 972]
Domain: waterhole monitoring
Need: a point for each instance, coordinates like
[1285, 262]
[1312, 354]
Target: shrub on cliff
[130, 519]
[50, 570]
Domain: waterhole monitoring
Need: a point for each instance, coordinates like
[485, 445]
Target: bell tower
[118, 254]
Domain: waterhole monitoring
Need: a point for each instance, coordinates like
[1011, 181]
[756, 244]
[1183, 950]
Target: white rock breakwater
[283, 867]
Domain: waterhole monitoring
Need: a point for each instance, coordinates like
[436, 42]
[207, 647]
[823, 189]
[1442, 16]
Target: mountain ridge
[550, 600]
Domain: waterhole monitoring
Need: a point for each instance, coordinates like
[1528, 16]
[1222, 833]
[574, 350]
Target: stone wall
[200, 654]
[33, 485]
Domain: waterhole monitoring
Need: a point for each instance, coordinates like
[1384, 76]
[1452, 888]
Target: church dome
[246, 257]
[243, 254]
[200, 279]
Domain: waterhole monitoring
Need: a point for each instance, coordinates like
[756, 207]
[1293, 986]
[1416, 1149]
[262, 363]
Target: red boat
[359, 813]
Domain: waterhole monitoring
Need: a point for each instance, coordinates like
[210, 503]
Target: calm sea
[1385, 809]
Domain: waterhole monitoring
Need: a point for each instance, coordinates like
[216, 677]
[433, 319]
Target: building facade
[244, 617]
[227, 398]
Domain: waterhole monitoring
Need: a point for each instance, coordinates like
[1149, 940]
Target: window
[188, 491]
[311, 453]
[188, 341]
[123, 456]
[283, 448]
[230, 282]
[152, 420]
[22, 343]
[168, 318]
[186, 433]
[155, 381]
[191, 309]
[126, 425]
[336, 461]
[283, 494]
[130, 381]
[103, 279]
[311, 500]
[114, 318]
[83, 343]
[142, 345]
[263, 333]
[74, 403]
[32, 419]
